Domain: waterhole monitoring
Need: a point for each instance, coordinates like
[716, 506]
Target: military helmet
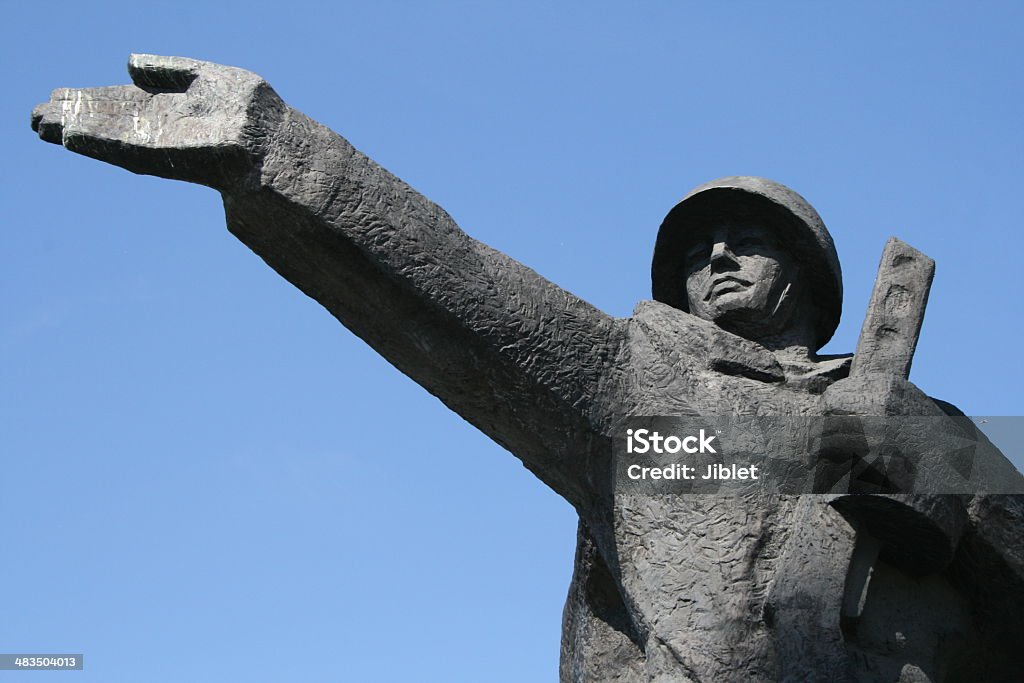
[770, 204]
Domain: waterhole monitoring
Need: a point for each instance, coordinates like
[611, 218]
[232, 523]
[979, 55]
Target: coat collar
[677, 334]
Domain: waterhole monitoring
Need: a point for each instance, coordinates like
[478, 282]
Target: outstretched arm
[515, 355]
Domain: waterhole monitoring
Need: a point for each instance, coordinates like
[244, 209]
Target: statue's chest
[676, 364]
[696, 569]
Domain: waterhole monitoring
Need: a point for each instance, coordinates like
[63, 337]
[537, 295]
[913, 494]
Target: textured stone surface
[895, 313]
[666, 587]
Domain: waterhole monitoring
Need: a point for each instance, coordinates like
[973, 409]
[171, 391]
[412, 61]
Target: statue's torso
[692, 575]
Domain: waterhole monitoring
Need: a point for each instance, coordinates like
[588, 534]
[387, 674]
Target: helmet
[770, 204]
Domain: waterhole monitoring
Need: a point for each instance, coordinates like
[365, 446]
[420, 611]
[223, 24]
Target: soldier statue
[884, 584]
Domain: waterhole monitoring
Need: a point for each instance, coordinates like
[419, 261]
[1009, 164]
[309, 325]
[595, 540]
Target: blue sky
[207, 478]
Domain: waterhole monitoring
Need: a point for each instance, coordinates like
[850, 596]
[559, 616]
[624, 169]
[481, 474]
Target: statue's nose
[721, 252]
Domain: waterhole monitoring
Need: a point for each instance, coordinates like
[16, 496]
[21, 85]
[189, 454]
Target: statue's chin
[755, 313]
[752, 323]
[739, 310]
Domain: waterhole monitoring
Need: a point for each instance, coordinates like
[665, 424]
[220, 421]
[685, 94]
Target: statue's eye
[748, 243]
[697, 252]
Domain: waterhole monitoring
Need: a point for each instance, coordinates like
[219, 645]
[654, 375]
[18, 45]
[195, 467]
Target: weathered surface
[666, 587]
[895, 312]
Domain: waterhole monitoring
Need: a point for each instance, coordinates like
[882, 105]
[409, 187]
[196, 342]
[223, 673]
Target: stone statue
[752, 586]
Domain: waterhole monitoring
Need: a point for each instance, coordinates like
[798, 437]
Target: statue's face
[739, 276]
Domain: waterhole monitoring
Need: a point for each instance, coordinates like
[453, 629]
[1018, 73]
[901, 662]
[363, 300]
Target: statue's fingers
[111, 99]
[90, 141]
[108, 93]
[38, 113]
[110, 139]
[109, 111]
[163, 73]
[46, 122]
[48, 118]
[111, 116]
[108, 127]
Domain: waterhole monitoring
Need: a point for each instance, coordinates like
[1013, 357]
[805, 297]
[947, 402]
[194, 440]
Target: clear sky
[207, 478]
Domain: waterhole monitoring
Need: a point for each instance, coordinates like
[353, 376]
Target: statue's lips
[724, 285]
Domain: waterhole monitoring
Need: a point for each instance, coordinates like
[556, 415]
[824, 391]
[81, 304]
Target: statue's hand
[182, 119]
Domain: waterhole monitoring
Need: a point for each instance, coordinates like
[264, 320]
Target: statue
[753, 585]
